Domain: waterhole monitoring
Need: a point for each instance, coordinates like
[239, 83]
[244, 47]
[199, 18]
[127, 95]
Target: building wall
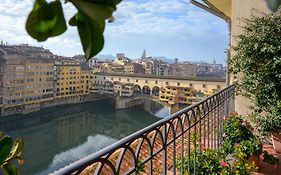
[174, 95]
[26, 81]
[85, 81]
[38, 80]
[13, 82]
[129, 68]
[243, 9]
[68, 82]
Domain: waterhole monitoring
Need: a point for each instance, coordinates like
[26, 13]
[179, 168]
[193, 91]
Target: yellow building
[38, 82]
[26, 78]
[68, 81]
[174, 94]
[85, 81]
[71, 79]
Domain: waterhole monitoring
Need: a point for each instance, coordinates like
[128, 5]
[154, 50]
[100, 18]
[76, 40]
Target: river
[57, 136]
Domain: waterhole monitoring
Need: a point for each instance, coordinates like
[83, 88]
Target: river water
[57, 136]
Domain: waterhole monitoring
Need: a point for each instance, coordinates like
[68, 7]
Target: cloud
[172, 18]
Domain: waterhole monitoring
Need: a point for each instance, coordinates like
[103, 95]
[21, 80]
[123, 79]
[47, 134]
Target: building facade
[72, 79]
[175, 94]
[26, 78]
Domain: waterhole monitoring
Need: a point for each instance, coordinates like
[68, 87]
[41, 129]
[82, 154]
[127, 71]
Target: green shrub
[206, 162]
[251, 146]
[257, 67]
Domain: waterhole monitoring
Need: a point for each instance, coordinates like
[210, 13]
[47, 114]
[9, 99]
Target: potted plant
[271, 124]
[237, 163]
[236, 131]
[239, 132]
[252, 148]
[256, 67]
[269, 158]
[215, 162]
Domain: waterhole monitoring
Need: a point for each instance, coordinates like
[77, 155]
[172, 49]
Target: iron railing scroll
[156, 148]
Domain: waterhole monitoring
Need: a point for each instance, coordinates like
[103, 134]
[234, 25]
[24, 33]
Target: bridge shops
[168, 90]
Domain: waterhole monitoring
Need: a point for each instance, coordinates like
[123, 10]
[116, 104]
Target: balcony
[156, 148]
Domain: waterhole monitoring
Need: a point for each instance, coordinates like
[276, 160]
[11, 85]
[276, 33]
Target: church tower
[143, 56]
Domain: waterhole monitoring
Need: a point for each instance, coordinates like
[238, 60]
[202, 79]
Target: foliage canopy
[257, 67]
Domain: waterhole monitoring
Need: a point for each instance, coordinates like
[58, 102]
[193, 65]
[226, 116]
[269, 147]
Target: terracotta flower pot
[256, 159]
[276, 140]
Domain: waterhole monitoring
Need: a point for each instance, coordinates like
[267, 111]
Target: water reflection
[57, 136]
[156, 109]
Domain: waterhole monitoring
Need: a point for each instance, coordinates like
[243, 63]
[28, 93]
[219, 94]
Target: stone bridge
[151, 84]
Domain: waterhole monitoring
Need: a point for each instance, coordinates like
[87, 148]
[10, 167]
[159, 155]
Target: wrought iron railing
[156, 148]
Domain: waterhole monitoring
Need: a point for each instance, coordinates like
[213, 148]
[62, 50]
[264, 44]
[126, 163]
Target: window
[104, 78]
[146, 81]
[179, 84]
[167, 83]
[204, 85]
[190, 84]
[156, 82]
[128, 80]
[218, 86]
[119, 79]
[137, 81]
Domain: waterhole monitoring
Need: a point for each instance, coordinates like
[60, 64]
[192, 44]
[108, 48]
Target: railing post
[164, 152]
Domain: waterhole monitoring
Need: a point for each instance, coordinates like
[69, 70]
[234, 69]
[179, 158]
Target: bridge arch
[146, 90]
[137, 88]
[155, 91]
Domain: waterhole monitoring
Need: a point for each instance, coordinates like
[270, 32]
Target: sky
[169, 28]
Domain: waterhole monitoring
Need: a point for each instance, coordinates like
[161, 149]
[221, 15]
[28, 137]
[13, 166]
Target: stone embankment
[24, 108]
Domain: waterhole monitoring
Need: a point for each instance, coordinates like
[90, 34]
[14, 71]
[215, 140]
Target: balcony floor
[266, 168]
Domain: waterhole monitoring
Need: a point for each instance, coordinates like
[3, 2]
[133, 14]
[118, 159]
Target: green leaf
[39, 3]
[273, 4]
[17, 149]
[45, 20]
[9, 169]
[91, 34]
[73, 21]
[96, 11]
[6, 144]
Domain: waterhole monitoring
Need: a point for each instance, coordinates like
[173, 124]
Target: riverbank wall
[127, 102]
[28, 108]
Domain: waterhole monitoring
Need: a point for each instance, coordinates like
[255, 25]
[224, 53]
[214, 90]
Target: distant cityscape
[155, 66]
[33, 77]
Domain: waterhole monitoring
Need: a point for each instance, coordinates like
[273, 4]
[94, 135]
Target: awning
[220, 8]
